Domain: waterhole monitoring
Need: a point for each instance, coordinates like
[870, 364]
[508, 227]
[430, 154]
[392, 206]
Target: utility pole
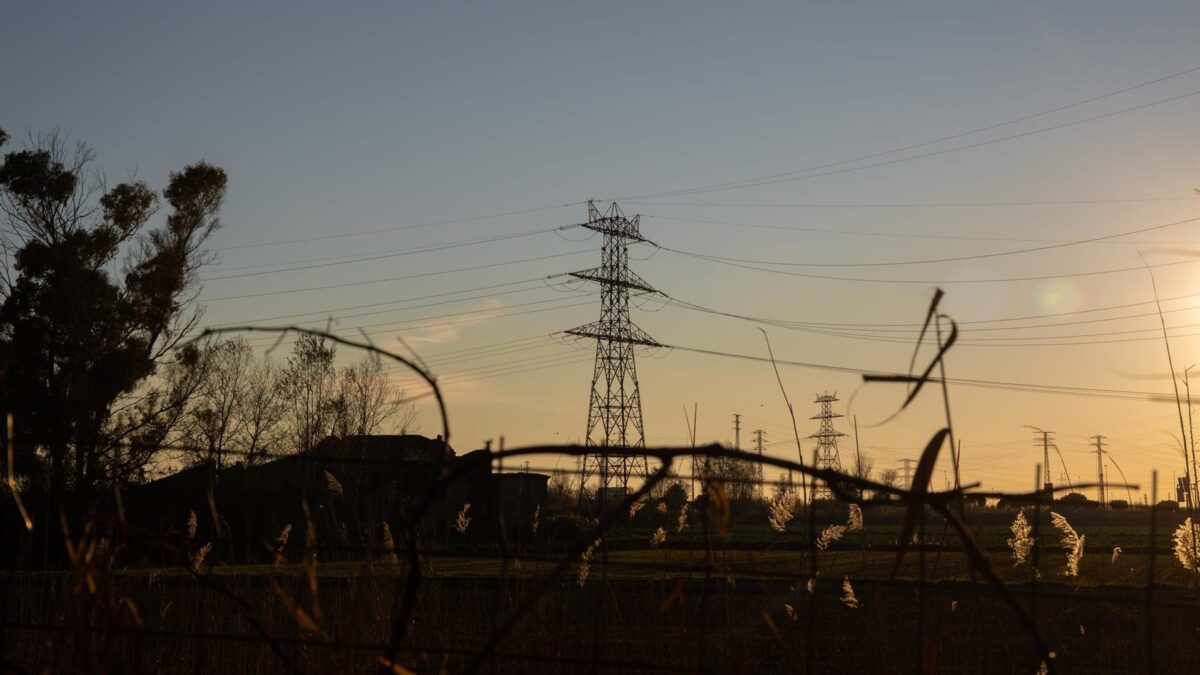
[825, 455]
[858, 467]
[691, 429]
[737, 431]
[857, 451]
[958, 468]
[1191, 440]
[908, 471]
[1102, 497]
[615, 408]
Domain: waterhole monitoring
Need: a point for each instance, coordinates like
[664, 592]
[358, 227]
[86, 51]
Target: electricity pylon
[1046, 441]
[759, 485]
[615, 408]
[907, 468]
[825, 455]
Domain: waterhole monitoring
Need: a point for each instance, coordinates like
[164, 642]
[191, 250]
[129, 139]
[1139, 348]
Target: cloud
[449, 332]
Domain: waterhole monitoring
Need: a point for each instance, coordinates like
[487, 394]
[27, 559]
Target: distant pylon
[1045, 441]
[907, 468]
[615, 408]
[825, 455]
[758, 467]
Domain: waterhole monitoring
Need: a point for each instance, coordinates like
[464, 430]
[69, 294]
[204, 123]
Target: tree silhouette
[81, 333]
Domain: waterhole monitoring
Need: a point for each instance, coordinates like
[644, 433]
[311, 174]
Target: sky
[402, 169]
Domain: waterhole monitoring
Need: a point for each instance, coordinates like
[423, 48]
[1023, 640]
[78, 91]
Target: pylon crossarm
[592, 275]
[628, 334]
[605, 226]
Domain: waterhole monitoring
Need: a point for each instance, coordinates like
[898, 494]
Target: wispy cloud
[451, 332]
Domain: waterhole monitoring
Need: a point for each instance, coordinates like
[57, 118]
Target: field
[739, 605]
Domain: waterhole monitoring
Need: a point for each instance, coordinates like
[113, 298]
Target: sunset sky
[829, 138]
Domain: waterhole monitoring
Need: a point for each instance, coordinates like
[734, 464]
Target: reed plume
[462, 521]
[585, 562]
[1021, 542]
[856, 518]
[200, 554]
[332, 484]
[782, 510]
[848, 597]
[1071, 541]
[659, 536]
[830, 535]
[389, 545]
[1185, 545]
[683, 519]
[637, 505]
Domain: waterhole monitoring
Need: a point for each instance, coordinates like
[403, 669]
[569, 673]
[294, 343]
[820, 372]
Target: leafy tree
[81, 335]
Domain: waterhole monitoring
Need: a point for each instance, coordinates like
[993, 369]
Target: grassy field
[743, 604]
[1096, 569]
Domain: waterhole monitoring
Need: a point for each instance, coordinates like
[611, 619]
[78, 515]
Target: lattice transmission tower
[615, 409]
[759, 484]
[825, 455]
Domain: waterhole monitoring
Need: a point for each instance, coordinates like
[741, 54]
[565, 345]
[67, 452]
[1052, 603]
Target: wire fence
[395, 554]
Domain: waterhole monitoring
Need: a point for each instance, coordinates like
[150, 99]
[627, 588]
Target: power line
[1008, 342]
[442, 359]
[883, 334]
[502, 370]
[392, 324]
[991, 342]
[399, 278]
[514, 363]
[809, 275]
[775, 321]
[397, 228]
[930, 261]
[993, 384]
[385, 256]
[504, 345]
[335, 310]
[903, 235]
[493, 352]
[902, 205]
[505, 352]
[795, 175]
[531, 338]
